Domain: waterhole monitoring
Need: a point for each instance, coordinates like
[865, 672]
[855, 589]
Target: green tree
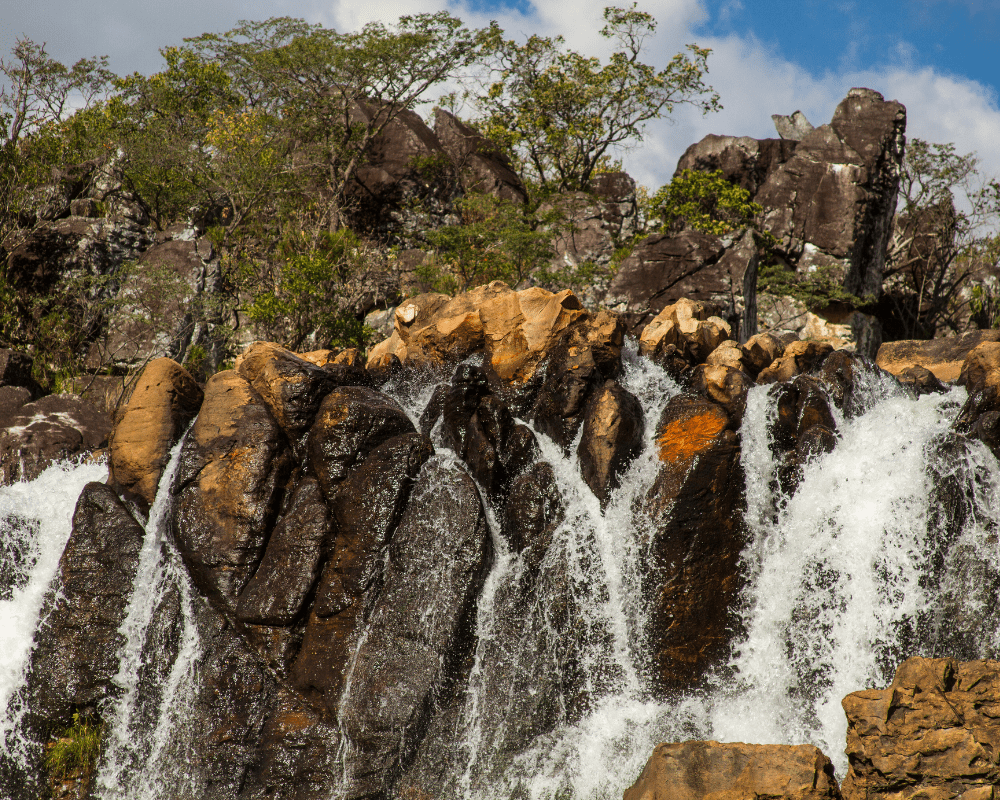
[703, 201]
[559, 113]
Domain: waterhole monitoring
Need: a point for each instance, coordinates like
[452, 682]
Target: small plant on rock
[74, 753]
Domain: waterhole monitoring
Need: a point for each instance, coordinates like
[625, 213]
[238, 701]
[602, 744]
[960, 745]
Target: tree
[704, 201]
[944, 231]
[558, 113]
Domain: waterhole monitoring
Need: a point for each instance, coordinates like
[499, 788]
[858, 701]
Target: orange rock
[687, 326]
[943, 357]
[164, 401]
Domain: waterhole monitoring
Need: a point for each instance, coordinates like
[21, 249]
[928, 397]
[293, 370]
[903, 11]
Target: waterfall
[143, 758]
[35, 524]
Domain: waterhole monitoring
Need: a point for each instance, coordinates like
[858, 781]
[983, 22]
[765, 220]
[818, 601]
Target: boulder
[831, 205]
[16, 370]
[797, 358]
[759, 352]
[931, 733]
[792, 127]
[56, 427]
[687, 327]
[725, 385]
[163, 403]
[694, 507]
[612, 437]
[943, 357]
[737, 771]
[981, 366]
[744, 161]
[482, 167]
[228, 488]
[515, 330]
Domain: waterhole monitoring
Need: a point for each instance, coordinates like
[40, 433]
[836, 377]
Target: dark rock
[16, 370]
[350, 423]
[801, 404]
[727, 386]
[841, 373]
[685, 328]
[695, 508]
[424, 616]
[832, 203]
[12, 400]
[744, 161]
[482, 430]
[54, 428]
[588, 355]
[366, 510]
[613, 429]
[76, 652]
[481, 164]
[534, 507]
[228, 488]
[921, 381]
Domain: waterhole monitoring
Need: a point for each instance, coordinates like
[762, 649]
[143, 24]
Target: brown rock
[943, 357]
[932, 733]
[727, 354]
[981, 366]
[797, 358]
[725, 385]
[612, 436]
[760, 351]
[233, 468]
[687, 326]
[695, 510]
[713, 771]
[744, 161]
[163, 403]
[15, 370]
[482, 166]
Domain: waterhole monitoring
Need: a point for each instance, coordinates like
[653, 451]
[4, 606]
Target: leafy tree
[943, 233]
[559, 113]
[496, 240]
[703, 201]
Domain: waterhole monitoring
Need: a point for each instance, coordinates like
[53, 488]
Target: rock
[932, 733]
[482, 167]
[760, 351]
[366, 511]
[713, 771]
[424, 616]
[792, 128]
[832, 203]
[291, 386]
[16, 370]
[516, 330]
[687, 326]
[981, 366]
[12, 400]
[48, 430]
[76, 653]
[921, 380]
[587, 355]
[943, 357]
[163, 403]
[663, 268]
[744, 161]
[481, 429]
[840, 373]
[725, 385]
[228, 487]
[534, 508]
[612, 436]
[694, 508]
[727, 354]
[351, 422]
[798, 357]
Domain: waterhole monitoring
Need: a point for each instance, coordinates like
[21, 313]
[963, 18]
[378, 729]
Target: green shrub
[704, 201]
[75, 751]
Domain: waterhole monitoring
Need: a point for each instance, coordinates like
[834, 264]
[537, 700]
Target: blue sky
[938, 57]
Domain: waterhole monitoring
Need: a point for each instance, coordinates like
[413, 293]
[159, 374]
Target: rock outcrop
[943, 357]
[481, 165]
[932, 733]
[744, 161]
[713, 771]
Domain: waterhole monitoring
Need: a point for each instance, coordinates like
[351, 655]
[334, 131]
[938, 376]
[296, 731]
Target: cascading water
[141, 758]
[35, 523]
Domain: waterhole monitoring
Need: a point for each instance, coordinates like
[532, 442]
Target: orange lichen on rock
[685, 438]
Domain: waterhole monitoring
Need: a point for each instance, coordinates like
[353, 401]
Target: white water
[35, 522]
[141, 760]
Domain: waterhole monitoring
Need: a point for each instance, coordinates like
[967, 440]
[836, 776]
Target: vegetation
[703, 201]
[74, 752]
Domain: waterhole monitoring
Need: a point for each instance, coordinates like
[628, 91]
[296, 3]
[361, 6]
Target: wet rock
[76, 652]
[291, 386]
[695, 509]
[613, 429]
[482, 167]
[366, 510]
[841, 373]
[832, 203]
[759, 352]
[482, 430]
[744, 161]
[587, 355]
[798, 357]
[688, 326]
[48, 430]
[932, 732]
[424, 617]
[534, 507]
[921, 380]
[350, 423]
[163, 403]
[943, 357]
[709, 770]
[725, 385]
[228, 487]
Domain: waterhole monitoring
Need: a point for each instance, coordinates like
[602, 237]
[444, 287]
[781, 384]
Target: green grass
[75, 751]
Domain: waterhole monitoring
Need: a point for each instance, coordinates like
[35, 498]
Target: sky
[937, 57]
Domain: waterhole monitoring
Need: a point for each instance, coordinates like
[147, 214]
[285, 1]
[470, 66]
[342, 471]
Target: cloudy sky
[938, 57]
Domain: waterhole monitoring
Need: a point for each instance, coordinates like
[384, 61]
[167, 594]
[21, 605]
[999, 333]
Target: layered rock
[746, 162]
[713, 771]
[943, 357]
[932, 733]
